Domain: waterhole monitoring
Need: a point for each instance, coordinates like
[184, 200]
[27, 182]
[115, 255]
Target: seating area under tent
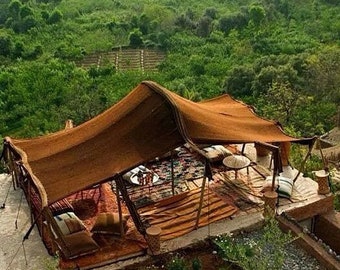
[152, 160]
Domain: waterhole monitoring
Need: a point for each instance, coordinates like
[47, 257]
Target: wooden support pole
[201, 202]
[130, 205]
[172, 174]
[276, 158]
[120, 213]
[207, 174]
[304, 161]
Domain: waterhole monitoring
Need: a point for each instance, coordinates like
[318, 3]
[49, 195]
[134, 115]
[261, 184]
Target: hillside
[280, 56]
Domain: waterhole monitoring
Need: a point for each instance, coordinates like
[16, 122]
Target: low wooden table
[236, 162]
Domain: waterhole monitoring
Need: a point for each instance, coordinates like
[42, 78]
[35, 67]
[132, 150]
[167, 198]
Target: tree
[324, 74]
[211, 12]
[28, 23]
[239, 81]
[136, 39]
[270, 74]
[45, 15]
[25, 11]
[233, 21]
[256, 13]
[282, 102]
[6, 45]
[14, 8]
[204, 26]
[144, 24]
[197, 65]
[185, 22]
[18, 50]
[55, 17]
[3, 12]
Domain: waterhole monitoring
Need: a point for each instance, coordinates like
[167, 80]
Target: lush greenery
[281, 56]
[179, 263]
[266, 252]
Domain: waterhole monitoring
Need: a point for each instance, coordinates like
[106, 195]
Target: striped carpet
[176, 216]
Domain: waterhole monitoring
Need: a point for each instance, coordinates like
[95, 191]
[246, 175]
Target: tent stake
[4, 204]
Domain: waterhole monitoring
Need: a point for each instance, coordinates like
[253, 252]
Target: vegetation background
[281, 56]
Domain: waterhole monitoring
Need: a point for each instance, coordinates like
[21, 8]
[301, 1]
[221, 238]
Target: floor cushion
[216, 152]
[108, 223]
[79, 244]
[69, 223]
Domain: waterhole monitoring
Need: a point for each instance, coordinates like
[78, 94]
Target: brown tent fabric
[147, 123]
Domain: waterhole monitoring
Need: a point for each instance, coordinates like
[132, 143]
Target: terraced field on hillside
[125, 59]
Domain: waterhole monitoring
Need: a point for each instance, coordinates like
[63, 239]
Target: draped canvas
[147, 123]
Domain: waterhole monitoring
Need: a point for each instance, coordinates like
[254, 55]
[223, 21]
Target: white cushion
[283, 185]
[288, 172]
[216, 152]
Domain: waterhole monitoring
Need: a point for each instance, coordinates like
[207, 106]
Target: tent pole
[318, 145]
[305, 160]
[122, 234]
[207, 174]
[32, 226]
[130, 205]
[172, 174]
[275, 154]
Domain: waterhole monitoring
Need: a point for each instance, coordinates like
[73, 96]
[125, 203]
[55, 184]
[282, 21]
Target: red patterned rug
[87, 205]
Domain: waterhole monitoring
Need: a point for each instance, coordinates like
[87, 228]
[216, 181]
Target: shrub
[177, 263]
[135, 38]
[266, 252]
[56, 16]
[6, 45]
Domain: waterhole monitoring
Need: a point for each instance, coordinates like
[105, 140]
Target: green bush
[177, 263]
[136, 38]
[180, 263]
[266, 252]
[55, 17]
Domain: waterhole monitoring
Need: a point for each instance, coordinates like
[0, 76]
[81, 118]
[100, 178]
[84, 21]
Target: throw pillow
[283, 185]
[69, 223]
[109, 223]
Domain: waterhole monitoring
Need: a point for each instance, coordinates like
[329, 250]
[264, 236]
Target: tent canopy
[148, 122]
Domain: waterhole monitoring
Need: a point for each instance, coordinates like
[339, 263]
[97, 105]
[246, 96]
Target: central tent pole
[207, 174]
[172, 174]
[122, 233]
[130, 205]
